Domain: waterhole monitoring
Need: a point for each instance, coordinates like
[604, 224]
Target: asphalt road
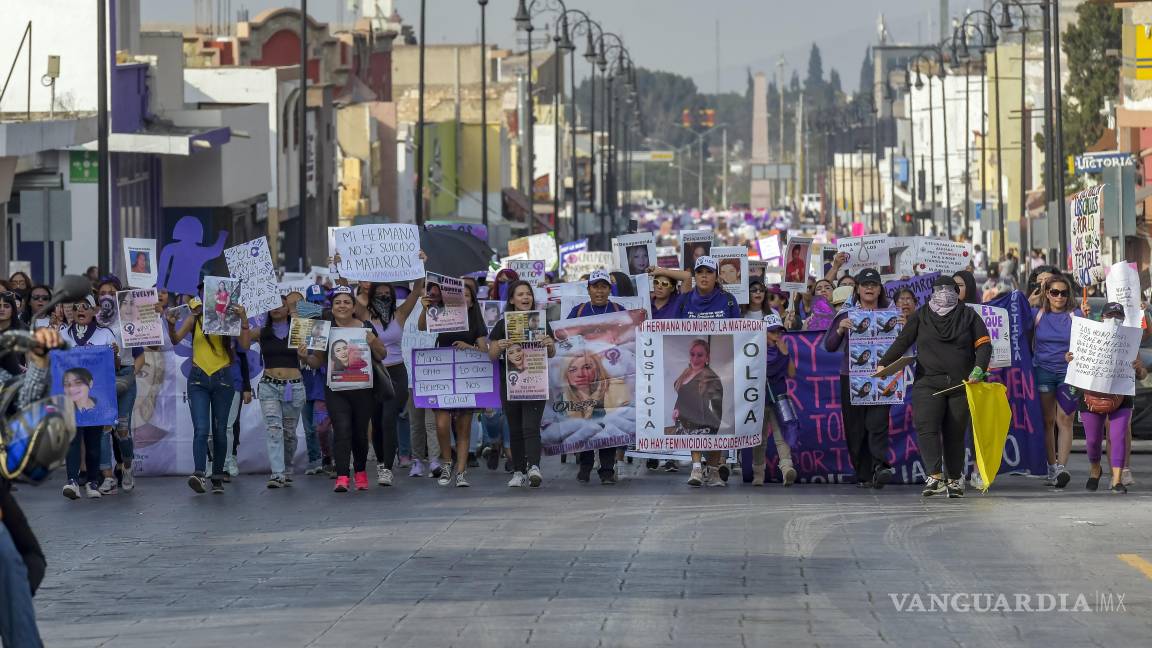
[648, 562]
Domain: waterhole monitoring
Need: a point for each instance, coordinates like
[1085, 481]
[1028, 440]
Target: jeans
[1047, 381]
[281, 413]
[308, 415]
[386, 417]
[124, 404]
[351, 412]
[607, 460]
[422, 426]
[524, 426]
[17, 615]
[404, 434]
[210, 400]
[93, 439]
[496, 429]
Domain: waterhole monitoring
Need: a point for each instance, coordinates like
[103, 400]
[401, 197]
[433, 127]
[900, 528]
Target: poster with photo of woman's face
[635, 253]
[693, 245]
[86, 376]
[796, 260]
[349, 359]
[733, 270]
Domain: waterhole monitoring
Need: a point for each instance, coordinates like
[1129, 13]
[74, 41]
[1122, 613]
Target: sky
[672, 35]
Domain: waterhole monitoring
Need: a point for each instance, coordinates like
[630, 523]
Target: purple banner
[448, 378]
[921, 285]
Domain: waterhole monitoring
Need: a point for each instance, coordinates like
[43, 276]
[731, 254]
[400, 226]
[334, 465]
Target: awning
[171, 140]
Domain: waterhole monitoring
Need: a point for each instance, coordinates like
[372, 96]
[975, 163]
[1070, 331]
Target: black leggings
[866, 433]
[386, 418]
[940, 417]
[524, 432]
[350, 412]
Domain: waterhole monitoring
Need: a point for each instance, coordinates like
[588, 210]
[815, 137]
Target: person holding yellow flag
[953, 347]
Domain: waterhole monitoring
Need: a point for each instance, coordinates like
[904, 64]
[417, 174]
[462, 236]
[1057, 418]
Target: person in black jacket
[952, 346]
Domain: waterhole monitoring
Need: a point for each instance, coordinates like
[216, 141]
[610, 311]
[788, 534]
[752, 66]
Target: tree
[867, 74]
[814, 84]
[834, 84]
[1092, 73]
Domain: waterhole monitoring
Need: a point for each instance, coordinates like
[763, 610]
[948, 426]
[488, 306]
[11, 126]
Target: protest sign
[414, 338]
[941, 255]
[996, 320]
[770, 249]
[379, 252]
[86, 375]
[312, 333]
[221, 296]
[528, 270]
[1087, 232]
[693, 245]
[140, 262]
[796, 268]
[568, 302]
[526, 374]
[491, 309]
[449, 310]
[1102, 355]
[107, 315]
[873, 331]
[700, 385]
[1124, 289]
[901, 250]
[140, 324]
[921, 285]
[449, 378]
[537, 246]
[567, 249]
[666, 257]
[733, 262]
[251, 263]
[349, 359]
[635, 253]
[592, 384]
[869, 251]
[524, 326]
[583, 263]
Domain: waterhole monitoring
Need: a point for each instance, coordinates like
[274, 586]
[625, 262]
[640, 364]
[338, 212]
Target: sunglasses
[756, 290]
[1057, 293]
[41, 297]
[662, 284]
[82, 306]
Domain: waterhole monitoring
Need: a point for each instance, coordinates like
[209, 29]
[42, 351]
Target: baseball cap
[705, 262]
[341, 290]
[1113, 309]
[599, 275]
[870, 275]
[773, 322]
[841, 295]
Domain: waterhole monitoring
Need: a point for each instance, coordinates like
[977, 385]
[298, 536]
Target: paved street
[646, 563]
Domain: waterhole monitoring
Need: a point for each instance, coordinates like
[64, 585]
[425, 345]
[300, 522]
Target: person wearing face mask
[865, 426]
[131, 362]
[953, 347]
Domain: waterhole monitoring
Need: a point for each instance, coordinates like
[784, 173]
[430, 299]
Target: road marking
[1138, 563]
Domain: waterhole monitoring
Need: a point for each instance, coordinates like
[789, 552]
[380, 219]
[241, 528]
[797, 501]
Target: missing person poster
[733, 262]
[526, 371]
[492, 310]
[86, 376]
[449, 378]
[873, 331]
[796, 261]
[251, 263]
[693, 245]
[221, 296]
[635, 253]
[700, 385]
[349, 359]
[379, 252]
[312, 333]
[140, 260]
[593, 384]
[448, 312]
[524, 326]
[140, 324]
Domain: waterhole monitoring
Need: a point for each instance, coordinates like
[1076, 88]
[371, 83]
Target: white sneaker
[383, 475]
[1062, 476]
[696, 478]
[535, 477]
[127, 480]
[108, 486]
[93, 493]
[517, 480]
[1050, 480]
[462, 480]
[445, 475]
[230, 466]
[72, 490]
[976, 481]
[712, 478]
[1126, 477]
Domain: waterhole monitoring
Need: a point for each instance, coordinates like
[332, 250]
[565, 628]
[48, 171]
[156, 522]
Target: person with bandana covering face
[953, 346]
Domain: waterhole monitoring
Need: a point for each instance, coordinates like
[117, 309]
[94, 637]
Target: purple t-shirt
[1051, 340]
[667, 311]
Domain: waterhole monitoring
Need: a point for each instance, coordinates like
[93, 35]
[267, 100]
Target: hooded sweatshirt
[948, 346]
[972, 295]
[718, 304]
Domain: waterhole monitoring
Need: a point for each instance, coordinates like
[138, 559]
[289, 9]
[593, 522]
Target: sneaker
[217, 486]
[288, 477]
[472, 461]
[127, 480]
[404, 461]
[341, 484]
[713, 479]
[383, 476]
[882, 476]
[1118, 489]
[231, 467]
[314, 468]
[93, 491]
[462, 480]
[508, 466]
[275, 481]
[976, 481]
[608, 478]
[1093, 484]
[1126, 477]
[417, 469]
[584, 474]
[789, 475]
[933, 486]
[723, 471]
[1050, 480]
[108, 486]
[445, 476]
[955, 489]
[1062, 476]
[330, 470]
[517, 480]
[535, 477]
[197, 483]
[72, 490]
[671, 466]
[652, 464]
[360, 479]
[696, 478]
[491, 456]
[435, 469]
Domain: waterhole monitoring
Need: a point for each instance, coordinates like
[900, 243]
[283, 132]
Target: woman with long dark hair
[1052, 337]
[281, 394]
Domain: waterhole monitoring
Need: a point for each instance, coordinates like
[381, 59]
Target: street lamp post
[483, 112]
[419, 127]
[584, 24]
[991, 31]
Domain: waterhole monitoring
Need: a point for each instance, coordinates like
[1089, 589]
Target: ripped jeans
[281, 404]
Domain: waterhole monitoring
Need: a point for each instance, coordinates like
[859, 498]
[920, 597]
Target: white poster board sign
[251, 263]
[140, 262]
[733, 271]
[869, 251]
[941, 255]
[635, 253]
[1000, 331]
[1102, 355]
[379, 252]
[693, 245]
[1123, 285]
[796, 263]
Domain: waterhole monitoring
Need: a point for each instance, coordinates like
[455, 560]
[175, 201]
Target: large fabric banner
[821, 455]
[700, 385]
[592, 384]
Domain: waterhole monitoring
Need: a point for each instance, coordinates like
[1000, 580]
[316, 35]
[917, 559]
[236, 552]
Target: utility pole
[780, 183]
[724, 172]
[700, 178]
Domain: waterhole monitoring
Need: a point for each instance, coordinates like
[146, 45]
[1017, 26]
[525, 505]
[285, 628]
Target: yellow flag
[991, 417]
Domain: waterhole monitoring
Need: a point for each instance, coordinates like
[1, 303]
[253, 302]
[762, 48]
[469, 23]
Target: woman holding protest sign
[1115, 410]
[666, 291]
[523, 415]
[865, 426]
[281, 394]
[953, 347]
[777, 409]
[1051, 338]
[130, 363]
